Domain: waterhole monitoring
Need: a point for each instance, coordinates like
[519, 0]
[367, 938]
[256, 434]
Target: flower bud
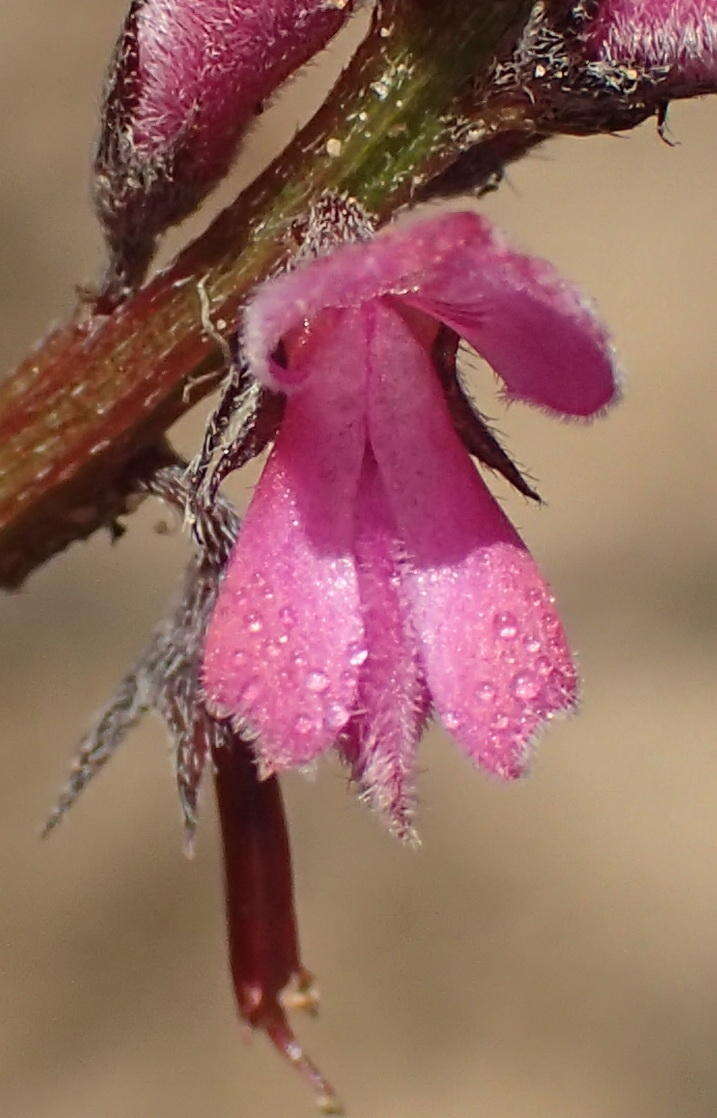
[185, 80]
[673, 41]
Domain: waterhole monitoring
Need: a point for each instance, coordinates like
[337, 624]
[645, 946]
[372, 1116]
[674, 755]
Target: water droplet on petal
[525, 686]
[505, 626]
[303, 724]
[317, 681]
[358, 656]
[532, 644]
[287, 615]
[337, 716]
[254, 622]
[486, 692]
[450, 720]
[250, 692]
[550, 621]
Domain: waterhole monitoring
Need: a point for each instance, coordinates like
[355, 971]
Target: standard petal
[536, 331]
[496, 659]
[281, 645]
[379, 743]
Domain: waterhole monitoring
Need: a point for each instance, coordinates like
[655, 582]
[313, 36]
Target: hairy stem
[434, 102]
[77, 413]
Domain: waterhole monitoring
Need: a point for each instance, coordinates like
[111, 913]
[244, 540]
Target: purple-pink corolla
[374, 575]
[677, 37]
[186, 79]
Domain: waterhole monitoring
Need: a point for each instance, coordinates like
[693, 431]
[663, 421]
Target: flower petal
[379, 743]
[495, 655]
[281, 645]
[536, 331]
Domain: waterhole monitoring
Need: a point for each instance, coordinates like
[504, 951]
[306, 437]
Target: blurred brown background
[551, 951]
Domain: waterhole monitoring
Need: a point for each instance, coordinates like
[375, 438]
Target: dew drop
[486, 692]
[254, 622]
[337, 716]
[525, 686]
[250, 693]
[283, 638]
[534, 595]
[317, 681]
[358, 656]
[505, 626]
[551, 622]
[299, 659]
[532, 644]
[450, 720]
[287, 615]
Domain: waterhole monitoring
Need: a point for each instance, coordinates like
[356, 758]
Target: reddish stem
[261, 922]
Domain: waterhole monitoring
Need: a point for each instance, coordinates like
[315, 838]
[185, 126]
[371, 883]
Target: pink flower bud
[674, 40]
[185, 81]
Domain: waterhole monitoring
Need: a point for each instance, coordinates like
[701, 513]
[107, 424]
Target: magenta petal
[536, 331]
[496, 659]
[380, 741]
[532, 327]
[281, 648]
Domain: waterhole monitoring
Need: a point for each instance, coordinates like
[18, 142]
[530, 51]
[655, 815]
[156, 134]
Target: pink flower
[185, 82]
[374, 574]
[676, 36]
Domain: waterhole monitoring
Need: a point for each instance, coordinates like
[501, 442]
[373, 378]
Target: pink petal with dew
[536, 331]
[379, 743]
[282, 644]
[495, 655]
[677, 34]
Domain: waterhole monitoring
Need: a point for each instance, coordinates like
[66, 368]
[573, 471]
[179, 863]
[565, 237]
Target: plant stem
[78, 411]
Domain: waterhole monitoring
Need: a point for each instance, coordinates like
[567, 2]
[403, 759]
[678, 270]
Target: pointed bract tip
[284, 1040]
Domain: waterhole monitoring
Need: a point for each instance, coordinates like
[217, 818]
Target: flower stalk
[99, 390]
